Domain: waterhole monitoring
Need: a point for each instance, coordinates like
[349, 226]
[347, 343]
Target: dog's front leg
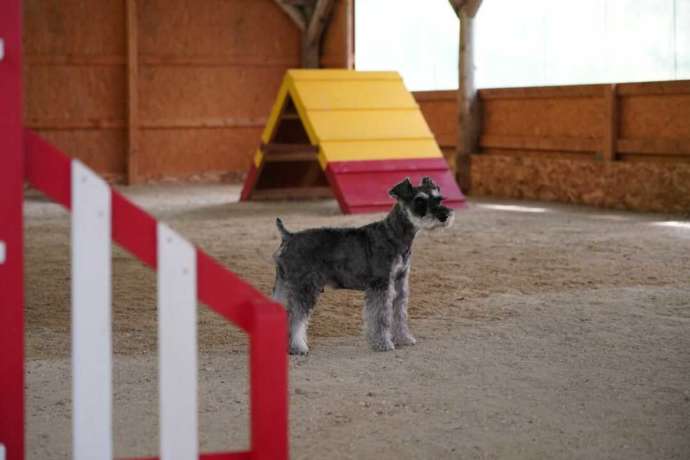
[401, 332]
[378, 315]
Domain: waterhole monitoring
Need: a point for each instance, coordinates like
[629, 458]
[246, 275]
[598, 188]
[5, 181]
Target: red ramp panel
[362, 186]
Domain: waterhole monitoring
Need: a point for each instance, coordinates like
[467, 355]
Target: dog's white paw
[382, 345]
[298, 350]
[404, 340]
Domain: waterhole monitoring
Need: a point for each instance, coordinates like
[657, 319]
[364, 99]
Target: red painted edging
[48, 169]
[249, 183]
[11, 234]
[225, 293]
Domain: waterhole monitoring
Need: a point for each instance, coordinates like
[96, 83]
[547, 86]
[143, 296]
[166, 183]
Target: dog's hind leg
[401, 332]
[301, 303]
[378, 313]
[280, 289]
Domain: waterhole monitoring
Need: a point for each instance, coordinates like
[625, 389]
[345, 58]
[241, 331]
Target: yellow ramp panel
[354, 95]
[368, 125]
[340, 74]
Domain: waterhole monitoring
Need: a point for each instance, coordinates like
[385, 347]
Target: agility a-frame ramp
[349, 134]
[185, 274]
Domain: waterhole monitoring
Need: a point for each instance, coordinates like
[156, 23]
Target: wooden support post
[468, 99]
[11, 236]
[132, 94]
[610, 138]
[311, 40]
[311, 17]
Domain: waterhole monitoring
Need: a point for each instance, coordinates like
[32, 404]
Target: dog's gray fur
[374, 258]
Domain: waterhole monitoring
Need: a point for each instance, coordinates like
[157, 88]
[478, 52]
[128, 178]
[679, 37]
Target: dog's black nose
[443, 216]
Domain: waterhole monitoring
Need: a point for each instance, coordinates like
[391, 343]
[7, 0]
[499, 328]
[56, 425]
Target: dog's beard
[428, 222]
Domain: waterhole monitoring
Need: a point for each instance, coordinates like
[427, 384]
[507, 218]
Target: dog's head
[422, 204]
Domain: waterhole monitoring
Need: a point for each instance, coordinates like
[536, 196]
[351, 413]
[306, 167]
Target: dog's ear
[428, 183]
[403, 191]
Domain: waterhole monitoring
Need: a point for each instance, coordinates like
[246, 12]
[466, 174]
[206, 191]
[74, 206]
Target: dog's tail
[284, 233]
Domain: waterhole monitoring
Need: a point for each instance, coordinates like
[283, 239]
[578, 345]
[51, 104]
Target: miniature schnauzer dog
[374, 258]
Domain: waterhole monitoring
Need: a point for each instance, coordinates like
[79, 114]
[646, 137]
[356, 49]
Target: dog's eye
[420, 206]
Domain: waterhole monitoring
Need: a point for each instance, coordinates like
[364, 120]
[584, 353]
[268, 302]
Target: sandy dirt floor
[543, 331]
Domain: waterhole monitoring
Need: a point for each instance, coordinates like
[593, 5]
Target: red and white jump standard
[185, 274]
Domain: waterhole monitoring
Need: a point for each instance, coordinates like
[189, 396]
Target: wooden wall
[618, 146]
[440, 109]
[74, 79]
[202, 76]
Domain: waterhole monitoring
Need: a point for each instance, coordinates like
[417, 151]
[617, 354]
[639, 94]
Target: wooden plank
[289, 148]
[275, 153]
[292, 156]
[12, 170]
[654, 88]
[177, 346]
[227, 60]
[426, 96]
[75, 60]
[655, 146]
[132, 93]
[567, 144]
[58, 124]
[91, 316]
[543, 92]
[354, 94]
[219, 122]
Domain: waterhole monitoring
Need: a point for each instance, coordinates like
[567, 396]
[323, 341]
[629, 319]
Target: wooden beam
[610, 139]
[680, 147]
[132, 94]
[292, 10]
[543, 92]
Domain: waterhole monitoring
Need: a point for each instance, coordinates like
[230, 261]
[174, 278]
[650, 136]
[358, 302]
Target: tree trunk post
[468, 100]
